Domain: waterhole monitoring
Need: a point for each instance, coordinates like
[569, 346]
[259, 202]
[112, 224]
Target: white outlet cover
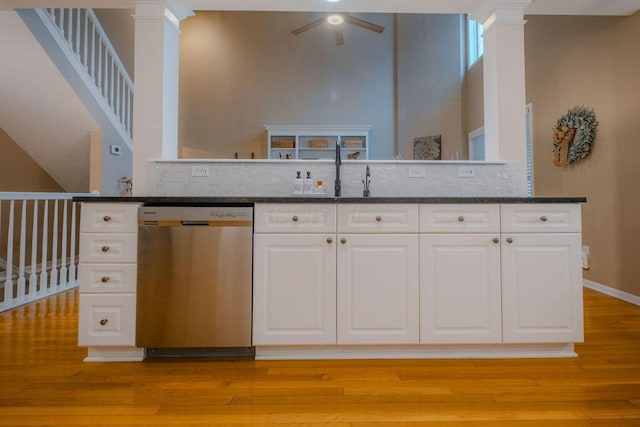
[466, 172]
[199, 170]
[417, 172]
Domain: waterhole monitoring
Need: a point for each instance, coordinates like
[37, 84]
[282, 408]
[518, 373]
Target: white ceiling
[537, 7]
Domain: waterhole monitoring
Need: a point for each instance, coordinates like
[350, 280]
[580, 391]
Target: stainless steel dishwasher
[194, 278]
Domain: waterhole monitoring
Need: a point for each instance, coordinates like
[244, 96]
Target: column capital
[174, 10]
[500, 11]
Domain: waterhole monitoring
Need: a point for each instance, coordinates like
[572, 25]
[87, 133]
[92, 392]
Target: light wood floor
[43, 382]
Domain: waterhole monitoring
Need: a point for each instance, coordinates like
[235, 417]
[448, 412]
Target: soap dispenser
[297, 183]
[307, 184]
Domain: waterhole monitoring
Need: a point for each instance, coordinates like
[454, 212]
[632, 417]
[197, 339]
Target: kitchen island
[384, 277]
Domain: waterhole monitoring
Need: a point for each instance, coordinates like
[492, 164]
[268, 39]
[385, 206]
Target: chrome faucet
[338, 187]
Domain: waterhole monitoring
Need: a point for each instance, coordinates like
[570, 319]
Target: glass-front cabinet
[307, 142]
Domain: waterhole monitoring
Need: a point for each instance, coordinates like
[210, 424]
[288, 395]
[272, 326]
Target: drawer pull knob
[105, 249]
[378, 218]
[543, 218]
[343, 240]
[496, 240]
[461, 218]
[104, 322]
[509, 240]
[106, 218]
[295, 218]
[104, 279]
[329, 240]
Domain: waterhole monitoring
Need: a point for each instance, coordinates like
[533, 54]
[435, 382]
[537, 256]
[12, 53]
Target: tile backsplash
[388, 178]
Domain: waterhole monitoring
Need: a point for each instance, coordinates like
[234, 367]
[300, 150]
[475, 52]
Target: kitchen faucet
[338, 188]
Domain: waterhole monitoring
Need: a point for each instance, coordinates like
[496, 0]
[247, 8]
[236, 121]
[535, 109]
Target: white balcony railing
[81, 31]
[38, 246]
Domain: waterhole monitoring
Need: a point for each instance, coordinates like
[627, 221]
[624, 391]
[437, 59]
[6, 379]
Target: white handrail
[83, 34]
[40, 229]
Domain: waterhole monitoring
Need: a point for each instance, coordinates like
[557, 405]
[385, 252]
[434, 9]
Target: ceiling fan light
[335, 19]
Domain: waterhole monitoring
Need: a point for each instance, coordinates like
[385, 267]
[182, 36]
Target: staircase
[65, 81]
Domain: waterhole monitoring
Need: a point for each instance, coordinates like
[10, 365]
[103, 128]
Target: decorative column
[504, 82]
[155, 104]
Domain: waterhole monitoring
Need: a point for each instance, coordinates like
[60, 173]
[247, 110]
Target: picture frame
[427, 148]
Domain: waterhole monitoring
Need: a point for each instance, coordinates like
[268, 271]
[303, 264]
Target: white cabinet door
[541, 288]
[294, 289]
[378, 289]
[460, 288]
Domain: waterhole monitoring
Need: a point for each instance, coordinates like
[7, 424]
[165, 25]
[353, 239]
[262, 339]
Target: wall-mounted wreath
[573, 136]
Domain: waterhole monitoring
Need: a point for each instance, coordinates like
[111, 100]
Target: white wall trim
[612, 292]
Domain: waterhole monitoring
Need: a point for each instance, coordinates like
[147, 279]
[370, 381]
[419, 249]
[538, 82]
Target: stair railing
[82, 32]
[44, 226]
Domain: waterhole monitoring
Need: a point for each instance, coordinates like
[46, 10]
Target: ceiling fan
[337, 20]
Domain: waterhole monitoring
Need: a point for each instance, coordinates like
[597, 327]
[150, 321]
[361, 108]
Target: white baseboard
[612, 292]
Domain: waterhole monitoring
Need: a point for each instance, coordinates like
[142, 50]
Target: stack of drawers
[107, 274]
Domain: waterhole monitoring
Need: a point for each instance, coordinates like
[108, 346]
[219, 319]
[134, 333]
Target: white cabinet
[294, 289]
[541, 273]
[460, 274]
[317, 142]
[460, 288]
[107, 274]
[378, 289]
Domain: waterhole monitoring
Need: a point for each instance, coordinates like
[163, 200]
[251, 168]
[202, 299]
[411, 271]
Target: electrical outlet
[417, 172]
[586, 259]
[199, 170]
[114, 149]
[466, 172]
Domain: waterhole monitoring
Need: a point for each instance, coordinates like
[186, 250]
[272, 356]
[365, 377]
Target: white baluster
[53, 280]
[93, 53]
[78, 28]
[85, 60]
[21, 292]
[8, 284]
[33, 277]
[45, 246]
[64, 279]
[72, 253]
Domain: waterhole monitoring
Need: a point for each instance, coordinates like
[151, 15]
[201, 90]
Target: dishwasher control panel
[193, 215]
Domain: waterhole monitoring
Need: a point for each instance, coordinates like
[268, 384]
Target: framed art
[427, 148]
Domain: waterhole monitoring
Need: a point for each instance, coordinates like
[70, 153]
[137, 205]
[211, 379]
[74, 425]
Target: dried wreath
[573, 136]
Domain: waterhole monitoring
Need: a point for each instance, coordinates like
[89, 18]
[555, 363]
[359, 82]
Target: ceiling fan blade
[364, 24]
[308, 26]
[339, 38]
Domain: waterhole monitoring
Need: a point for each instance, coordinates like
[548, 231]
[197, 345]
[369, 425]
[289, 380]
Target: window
[474, 39]
[476, 144]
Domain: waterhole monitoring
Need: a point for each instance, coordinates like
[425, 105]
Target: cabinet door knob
[104, 279]
[105, 249]
[461, 218]
[543, 218]
[496, 240]
[295, 218]
[343, 240]
[329, 240]
[378, 218]
[509, 240]
[104, 322]
[106, 218]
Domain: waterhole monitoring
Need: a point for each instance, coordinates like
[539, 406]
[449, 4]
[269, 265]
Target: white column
[504, 82]
[155, 104]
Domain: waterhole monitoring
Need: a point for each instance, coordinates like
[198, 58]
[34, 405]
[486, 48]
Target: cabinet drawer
[107, 278]
[109, 217]
[548, 218]
[107, 319]
[460, 218]
[295, 218]
[378, 218]
[108, 247]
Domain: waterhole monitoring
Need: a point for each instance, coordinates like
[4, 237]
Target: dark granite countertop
[249, 200]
